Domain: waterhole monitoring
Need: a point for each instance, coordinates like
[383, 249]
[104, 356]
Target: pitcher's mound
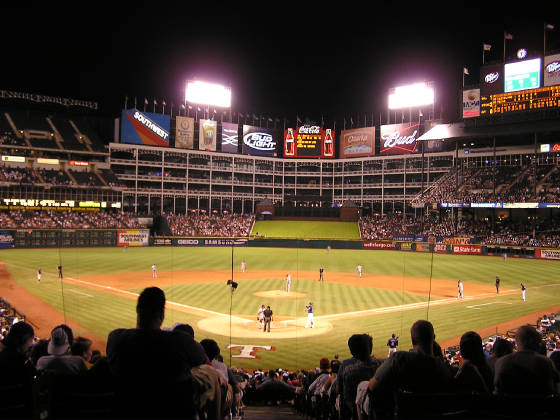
[246, 328]
[279, 294]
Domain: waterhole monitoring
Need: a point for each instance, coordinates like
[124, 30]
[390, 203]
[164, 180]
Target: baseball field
[100, 286]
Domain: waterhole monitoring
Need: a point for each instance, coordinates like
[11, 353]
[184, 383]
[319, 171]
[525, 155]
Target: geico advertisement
[133, 238]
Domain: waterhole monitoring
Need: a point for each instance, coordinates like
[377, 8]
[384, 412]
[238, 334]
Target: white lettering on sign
[151, 125]
[395, 139]
[309, 129]
[259, 141]
[492, 77]
[553, 67]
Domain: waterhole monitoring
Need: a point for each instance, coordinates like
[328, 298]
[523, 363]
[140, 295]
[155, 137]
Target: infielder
[359, 269]
[460, 289]
[39, 275]
[243, 265]
[497, 284]
[288, 283]
[59, 268]
[154, 271]
[310, 320]
[321, 274]
[523, 292]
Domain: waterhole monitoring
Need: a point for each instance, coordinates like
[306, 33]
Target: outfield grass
[101, 312]
[306, 229]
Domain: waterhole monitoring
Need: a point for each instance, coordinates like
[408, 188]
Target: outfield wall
[70, 238]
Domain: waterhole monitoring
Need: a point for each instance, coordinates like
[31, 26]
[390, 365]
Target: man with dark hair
[152, 366]
[82, 347]
[525, 372]
[417, 370]
[267, 318]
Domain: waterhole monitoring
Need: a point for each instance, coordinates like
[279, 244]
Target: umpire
[267, 318]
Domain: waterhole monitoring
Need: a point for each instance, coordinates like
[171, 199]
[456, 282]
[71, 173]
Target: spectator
[525, 372]
[474, 374]
[58, 361]
[501, 347]
[415, 371]
[82, 347]
[151, 366]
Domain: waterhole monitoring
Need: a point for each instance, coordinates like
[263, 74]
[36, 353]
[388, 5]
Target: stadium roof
[462, 130]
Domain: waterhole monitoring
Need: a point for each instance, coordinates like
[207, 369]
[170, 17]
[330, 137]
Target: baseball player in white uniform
[359, 269]
[460, 289]
[310, 320]
[260, 317]
[243, 266]
[288, 283]
[523, 292]
[39, 275]
[154, 271]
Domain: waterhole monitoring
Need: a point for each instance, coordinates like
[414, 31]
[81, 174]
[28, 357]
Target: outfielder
[523, 292]
[39, 275]
[359, 269]
[243, 265]
[154, 271]
[288, 283]
[310, 320]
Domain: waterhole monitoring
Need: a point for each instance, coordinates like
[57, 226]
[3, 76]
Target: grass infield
[101, 285]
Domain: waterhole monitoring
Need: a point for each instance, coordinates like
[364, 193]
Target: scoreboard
[309, 141]
[526, 100]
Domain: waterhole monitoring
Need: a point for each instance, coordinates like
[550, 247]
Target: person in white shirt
[288, 283]
[359, 269]
[154, 271]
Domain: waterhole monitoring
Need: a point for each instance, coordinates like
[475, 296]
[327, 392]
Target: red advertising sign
[379, 245]
[467, 249]
[399, 139]
[309, 141]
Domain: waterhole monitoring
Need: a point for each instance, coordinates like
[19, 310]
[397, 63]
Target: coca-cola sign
[398, 139]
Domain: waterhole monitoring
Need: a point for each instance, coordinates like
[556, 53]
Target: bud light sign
[399, 139]
[259, 141]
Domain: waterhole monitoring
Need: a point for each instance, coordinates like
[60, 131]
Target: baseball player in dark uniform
[393, 343]
[321, 274]
[310, 318]
[59, 271]
[497, 284]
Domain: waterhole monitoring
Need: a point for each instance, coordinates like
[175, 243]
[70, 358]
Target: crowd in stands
[201, 224]
[52, 219]
[507, 184]
[155, 372]
[508, 233]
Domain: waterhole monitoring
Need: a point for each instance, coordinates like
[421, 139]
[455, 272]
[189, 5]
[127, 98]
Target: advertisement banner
[144, 128]
[379, 245]
[407, 246]
[548, 254]
[133, 237]
[552, 70]
[309, 141]
[7, 239]
[467, 249]
[457, 240]
[224, 242]
[207, 135]
[440, 249]
[491, 80]
[259, 141]
[184, 132]
[357, 143]
[230, 138]
[471, 103]
[399, 139]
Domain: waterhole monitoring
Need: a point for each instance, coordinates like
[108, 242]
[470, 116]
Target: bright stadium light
[411, 96]
[203, 93]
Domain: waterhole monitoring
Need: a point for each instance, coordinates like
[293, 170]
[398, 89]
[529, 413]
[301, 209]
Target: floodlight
[204, 93]
[411, 96]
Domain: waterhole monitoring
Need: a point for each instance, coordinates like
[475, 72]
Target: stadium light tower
[204, 93]
[417, 95]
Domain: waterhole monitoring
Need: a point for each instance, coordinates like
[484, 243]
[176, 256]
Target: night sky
[280, 58]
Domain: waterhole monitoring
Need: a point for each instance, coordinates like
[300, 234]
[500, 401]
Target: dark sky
[280, 58]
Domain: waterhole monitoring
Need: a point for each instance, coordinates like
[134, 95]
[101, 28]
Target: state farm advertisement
[357, 143]
[379, 245]
[467, 249]
[399, 139]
